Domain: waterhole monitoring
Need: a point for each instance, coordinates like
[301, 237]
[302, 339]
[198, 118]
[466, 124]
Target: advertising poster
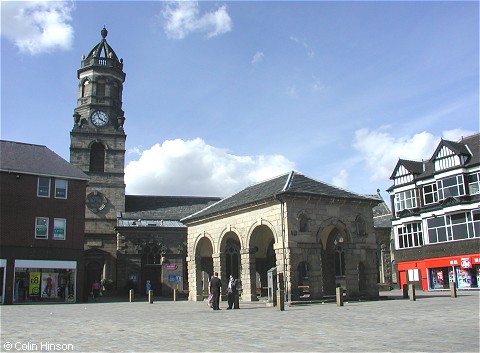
[34, 285]
[49, 285]
[464, 279]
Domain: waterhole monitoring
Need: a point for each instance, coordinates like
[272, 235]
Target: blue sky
[220, 95]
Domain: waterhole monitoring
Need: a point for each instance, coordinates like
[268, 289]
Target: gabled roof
[458, 148]
[24, 158]
[287, 184]
[414, 167]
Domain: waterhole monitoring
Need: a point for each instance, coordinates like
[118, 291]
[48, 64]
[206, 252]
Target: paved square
[433, 323]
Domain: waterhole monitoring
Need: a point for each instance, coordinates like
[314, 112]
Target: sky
[221, 95]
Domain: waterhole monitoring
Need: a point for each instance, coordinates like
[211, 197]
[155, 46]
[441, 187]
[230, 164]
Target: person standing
[95, 289]
[231, 291]
[214, 286]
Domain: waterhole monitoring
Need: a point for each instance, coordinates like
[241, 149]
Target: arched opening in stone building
[261, 247]
[204, 263]
[231, 249]
[334, 264]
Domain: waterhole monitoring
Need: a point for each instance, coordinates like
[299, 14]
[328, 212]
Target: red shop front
[437, 273]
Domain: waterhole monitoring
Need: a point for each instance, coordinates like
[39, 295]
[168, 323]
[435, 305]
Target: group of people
[214, 290]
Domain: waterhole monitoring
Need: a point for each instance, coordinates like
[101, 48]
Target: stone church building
[318, 235]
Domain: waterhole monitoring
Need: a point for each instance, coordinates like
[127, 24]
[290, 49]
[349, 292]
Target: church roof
[293, 183]
[24, 158]
[164, 208]
[103, 49]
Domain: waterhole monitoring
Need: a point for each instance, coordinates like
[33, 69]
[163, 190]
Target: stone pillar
[194, 278]
[411, 292]
[453, 289]
[248, 276]
[339, 296]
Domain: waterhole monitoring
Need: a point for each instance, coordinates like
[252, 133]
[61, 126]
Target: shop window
[430, 195]
[43, 189]
[97, 158]
[41, 228]
[61, 186]
[410, 235]
[450, 187]
[59, 228]
[406, 200]
[473, 181]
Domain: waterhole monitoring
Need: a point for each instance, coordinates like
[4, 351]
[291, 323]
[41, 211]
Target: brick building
[42, 202]
[436, 216]
[319, 236]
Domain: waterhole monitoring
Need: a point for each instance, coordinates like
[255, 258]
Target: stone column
[248, 276]
[194, 278]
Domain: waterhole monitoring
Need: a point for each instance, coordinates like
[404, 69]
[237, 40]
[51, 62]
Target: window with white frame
[456, 226]
[410, 235]
[430, 194]
[473, 181]
[450, 187]
[41, 228]
[59, 228]
[406, 200]
[43, 188]
[61, 186]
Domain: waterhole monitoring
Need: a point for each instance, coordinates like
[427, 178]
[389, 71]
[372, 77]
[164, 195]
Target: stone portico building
[319, 236]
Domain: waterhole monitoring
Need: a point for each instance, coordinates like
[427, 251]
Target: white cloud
[341, 179]
[195, 168]
[37, 27]
[183, 18]
[257, 58]
[308, 49]
[456, 134]
[381, 151]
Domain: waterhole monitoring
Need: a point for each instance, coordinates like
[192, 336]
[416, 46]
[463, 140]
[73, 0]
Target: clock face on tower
[99, 118]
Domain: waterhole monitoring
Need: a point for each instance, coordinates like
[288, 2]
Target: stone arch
[203, 250]
[261, 245]
[326, 228]
[230, 246]
[335, 239]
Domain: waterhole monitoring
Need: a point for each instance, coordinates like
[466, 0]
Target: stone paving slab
[432, 323]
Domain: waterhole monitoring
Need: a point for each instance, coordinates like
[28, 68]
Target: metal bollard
[411, 292]
[339, 295]
[405, 291]
[150, 296]
[174, 295]
[453, 289]
[130, 295]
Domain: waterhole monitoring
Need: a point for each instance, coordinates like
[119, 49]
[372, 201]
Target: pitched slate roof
[291, 183]
[24, 158]
[382, 216]
[172, 208]
[414, 167]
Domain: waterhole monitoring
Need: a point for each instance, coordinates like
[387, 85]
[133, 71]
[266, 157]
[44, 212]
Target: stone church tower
[98, 149]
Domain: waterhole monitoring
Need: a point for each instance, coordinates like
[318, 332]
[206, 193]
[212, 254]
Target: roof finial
[104, 32]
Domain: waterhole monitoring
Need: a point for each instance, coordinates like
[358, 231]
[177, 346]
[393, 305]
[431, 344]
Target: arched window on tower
[97, 157]
[85, 86]
[101, 88]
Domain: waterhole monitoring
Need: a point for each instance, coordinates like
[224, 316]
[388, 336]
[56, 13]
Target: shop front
[438, 273]
[44, 281]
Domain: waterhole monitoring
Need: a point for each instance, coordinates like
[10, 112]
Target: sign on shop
[170, 267]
